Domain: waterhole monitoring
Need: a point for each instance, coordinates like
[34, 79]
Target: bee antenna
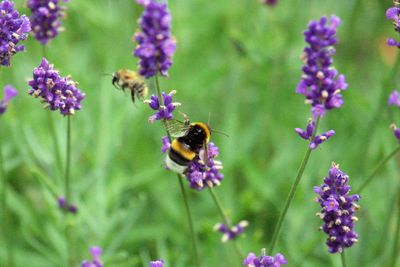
[219, 132]
[108, 74]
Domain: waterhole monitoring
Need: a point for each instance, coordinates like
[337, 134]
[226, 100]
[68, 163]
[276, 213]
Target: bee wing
[176, 128]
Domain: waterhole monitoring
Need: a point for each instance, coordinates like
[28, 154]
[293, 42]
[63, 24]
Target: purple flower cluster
[308, 133]
[45, 19]
[58, 93]
[155, 45]
[9, 93]
[321, 85]
[64, 205]
[203, 173]
[264, 260]
[13, 29]
[337, 211]
[163, 109]
[396, 132]
[393, 13]
[96, 262]
[231, 233]
[157, 263]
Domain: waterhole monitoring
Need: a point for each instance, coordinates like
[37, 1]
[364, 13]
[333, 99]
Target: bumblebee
[192, 138]
[130, 80]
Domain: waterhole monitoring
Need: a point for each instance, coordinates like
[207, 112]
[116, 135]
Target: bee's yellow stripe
[206, 129]
[181, 150]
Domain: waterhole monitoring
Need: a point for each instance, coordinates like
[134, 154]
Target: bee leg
[133, 96]
[186, 120]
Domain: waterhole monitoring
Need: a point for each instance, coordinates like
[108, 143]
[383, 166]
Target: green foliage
[237, 60]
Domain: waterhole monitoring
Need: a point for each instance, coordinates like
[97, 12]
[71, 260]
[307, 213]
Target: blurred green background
[239, 61]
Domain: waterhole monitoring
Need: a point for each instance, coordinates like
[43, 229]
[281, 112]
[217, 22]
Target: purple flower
[13, 29]
[155, 45]
[157, 263]
[308, 133]
[96, 262]
[321, 85]
[337, 211]
[45, 19]
[394, 99]
[64, 205]
[264, 260]
[270, 2]
[393, 14]
[58, 93]
[164, 109]
[201, 174]
[9, 93]
[231, 233]
[166, 144]
[396, 132]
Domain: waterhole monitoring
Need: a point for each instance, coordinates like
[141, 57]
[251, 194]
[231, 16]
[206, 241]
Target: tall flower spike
[231, 233]
[9, 94]
[393, 14]
[157, 263]
[337, 210]
[46, 19]
[58, 93]
[96, 262]
[165, 110]
[155, 45]
[264, 260]
[13, 29]
[321, 85]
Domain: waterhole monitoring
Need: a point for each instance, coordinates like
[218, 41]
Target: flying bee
[130, 80]
[190, 138]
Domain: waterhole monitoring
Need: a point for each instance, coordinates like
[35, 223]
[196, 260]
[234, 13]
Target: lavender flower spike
[321, 85]
[13, 29]
[64, 205]
[157, 263]
[308, 133]
[393, 14]
[264, 260]
[396, 132]
[96, 262]
[394, 99]
[9, 93]
[155, 45]
[58, 93]
[231, 233]
[163, 111]
[45, 19]
[337, 211]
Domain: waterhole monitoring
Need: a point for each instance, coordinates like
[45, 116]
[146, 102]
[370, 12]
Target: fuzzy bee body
[130, 80]
[185, 148]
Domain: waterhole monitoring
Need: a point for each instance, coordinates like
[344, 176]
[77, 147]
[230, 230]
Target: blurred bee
[132, 81]
[190, 138]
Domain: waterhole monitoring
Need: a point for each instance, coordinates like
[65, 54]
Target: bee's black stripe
[177, 158]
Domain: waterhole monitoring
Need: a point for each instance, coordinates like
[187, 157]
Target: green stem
[395, 251]
[55, 141]
[289, 199]
[377, 168]
[6, 224]
[44, 51]
[68, 193]
[226, 220]
[343, 257]
[182, 188]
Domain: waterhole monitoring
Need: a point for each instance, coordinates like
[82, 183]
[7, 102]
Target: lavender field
[162, 133]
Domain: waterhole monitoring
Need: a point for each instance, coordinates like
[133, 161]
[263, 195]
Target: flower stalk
[343, 259]
[68, 193]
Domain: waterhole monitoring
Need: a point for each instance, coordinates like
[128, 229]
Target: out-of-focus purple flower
[13, 29]
[396, 132]
[393, 14]
[264, 260]
[45, 19]
[163, 110]
[9, 93]
[337, 211]
[155, 45]
[58, 93]
[201, 174]
[321, 85]
[394, 99]
[64, 205]
[270, 2]
[308, 133]
[96, 262]
[166, 144]
[157, 263]
[233, 232]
